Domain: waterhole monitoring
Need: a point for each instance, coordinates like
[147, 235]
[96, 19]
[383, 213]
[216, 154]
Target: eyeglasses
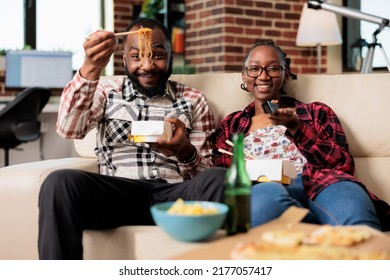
[271, 71]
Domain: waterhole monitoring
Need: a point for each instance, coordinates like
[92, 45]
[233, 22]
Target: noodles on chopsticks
[144, 43]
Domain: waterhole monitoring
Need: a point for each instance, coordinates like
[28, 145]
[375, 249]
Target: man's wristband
[192, 158]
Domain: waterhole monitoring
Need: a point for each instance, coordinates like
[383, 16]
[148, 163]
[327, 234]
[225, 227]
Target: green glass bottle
[237, 190]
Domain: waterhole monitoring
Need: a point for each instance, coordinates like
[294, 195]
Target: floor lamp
[356, 14]
[318, 28]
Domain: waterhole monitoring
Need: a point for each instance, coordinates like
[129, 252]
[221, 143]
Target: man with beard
[132, 176]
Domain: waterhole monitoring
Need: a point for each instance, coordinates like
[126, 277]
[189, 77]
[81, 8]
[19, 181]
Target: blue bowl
[190, 228]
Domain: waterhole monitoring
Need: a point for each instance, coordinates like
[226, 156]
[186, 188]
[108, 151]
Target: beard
[157, 90]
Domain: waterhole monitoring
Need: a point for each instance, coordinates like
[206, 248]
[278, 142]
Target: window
[353, 29]
[60, 25]
[379, 8]
[11, 24]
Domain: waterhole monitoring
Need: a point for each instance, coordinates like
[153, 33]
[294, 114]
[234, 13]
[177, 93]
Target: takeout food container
[273, 170]
[150, 131]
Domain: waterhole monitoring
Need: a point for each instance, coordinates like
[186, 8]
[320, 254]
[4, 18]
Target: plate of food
[325, 243]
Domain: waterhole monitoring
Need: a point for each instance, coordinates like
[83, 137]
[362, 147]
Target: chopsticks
[142, 30]
[225, 152]
[230, 143]
[126, 33]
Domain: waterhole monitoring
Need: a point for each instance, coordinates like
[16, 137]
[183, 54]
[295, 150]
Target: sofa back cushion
[360, 101]
[222, 91]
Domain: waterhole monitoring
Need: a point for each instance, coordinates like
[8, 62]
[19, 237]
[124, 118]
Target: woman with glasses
[310, 136]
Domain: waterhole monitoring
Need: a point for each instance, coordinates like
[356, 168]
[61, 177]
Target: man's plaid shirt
[111, 106]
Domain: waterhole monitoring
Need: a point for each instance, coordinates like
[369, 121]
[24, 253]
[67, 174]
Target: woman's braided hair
[282, 55]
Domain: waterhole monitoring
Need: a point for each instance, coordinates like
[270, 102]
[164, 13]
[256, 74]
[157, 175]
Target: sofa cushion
[19, 188]
[355, 98]
[351, 96]
[86, 147]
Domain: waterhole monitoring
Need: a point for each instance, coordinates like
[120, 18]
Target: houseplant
[2, 59]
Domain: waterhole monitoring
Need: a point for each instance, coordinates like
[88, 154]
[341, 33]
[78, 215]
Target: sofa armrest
[19, 190]
[39, 170]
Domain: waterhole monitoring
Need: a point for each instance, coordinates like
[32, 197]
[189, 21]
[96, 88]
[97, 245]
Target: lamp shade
[318, 27]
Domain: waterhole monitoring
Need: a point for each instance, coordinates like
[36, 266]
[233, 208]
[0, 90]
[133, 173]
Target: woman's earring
[243, 87]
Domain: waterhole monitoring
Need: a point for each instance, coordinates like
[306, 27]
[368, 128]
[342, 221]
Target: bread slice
[338, 236]
[284, 237]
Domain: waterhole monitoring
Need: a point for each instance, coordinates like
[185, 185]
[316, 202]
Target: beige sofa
[361, 102]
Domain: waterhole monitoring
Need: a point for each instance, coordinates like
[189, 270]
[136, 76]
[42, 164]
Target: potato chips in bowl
[189, 221]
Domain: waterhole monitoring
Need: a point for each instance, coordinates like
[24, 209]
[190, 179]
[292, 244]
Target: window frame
[351, 31]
